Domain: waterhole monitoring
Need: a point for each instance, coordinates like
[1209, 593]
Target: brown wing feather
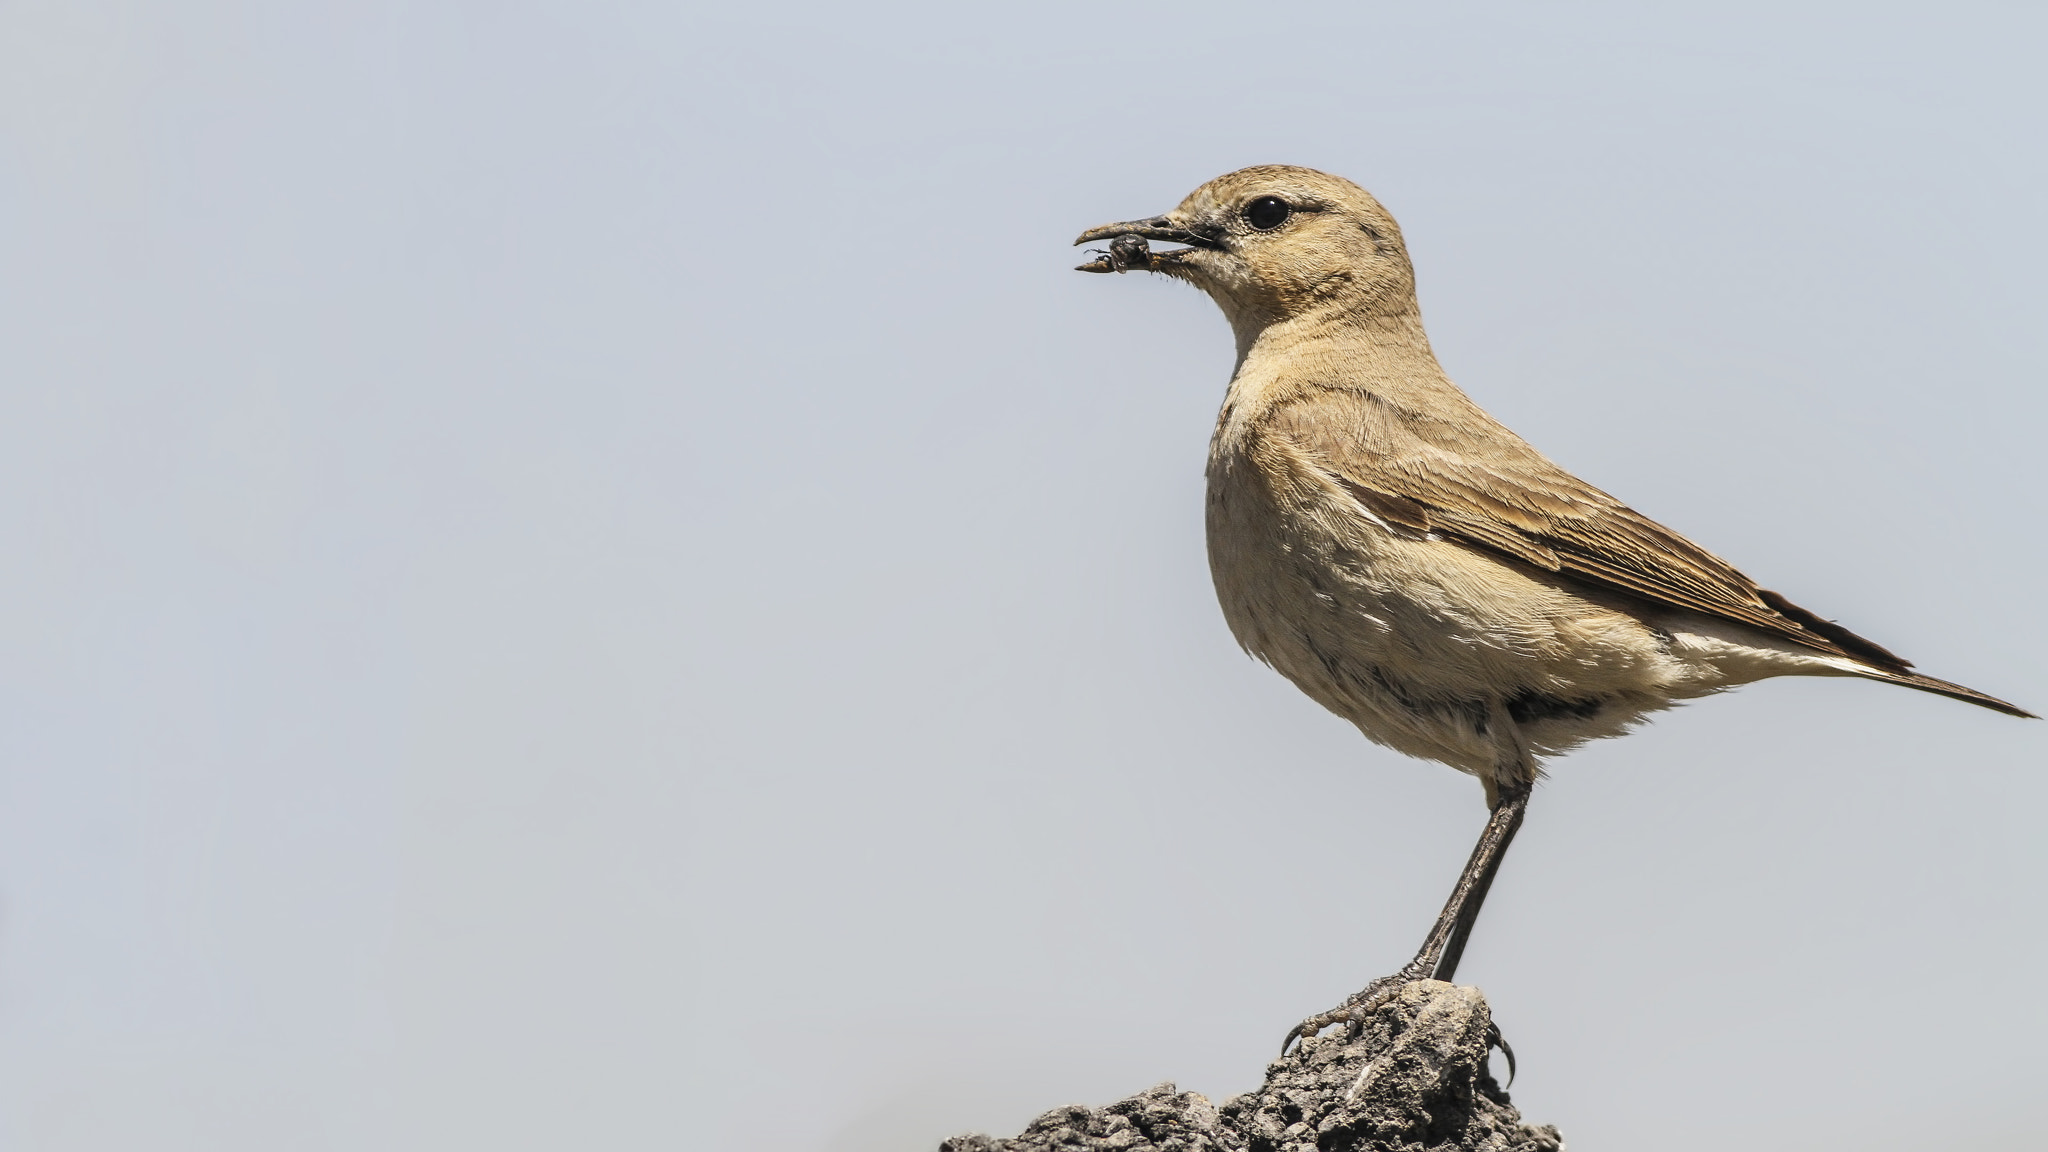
[1479, 483]
[1475, 481]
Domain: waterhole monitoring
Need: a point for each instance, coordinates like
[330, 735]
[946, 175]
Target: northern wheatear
[1410, 563]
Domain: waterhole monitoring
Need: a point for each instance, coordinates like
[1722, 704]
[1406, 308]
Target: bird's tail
[1944, 688]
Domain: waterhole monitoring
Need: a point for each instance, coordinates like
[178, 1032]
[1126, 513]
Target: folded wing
[1475, 482]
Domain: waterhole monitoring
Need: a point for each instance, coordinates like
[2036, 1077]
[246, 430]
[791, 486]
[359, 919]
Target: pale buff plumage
[1401, 556]
[1414, 566]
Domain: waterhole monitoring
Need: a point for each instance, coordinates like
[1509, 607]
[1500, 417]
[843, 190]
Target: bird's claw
[1353, 1012]
[1495, 1040]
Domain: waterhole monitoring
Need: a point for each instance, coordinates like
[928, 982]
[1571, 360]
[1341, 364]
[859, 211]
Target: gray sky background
[585, 575]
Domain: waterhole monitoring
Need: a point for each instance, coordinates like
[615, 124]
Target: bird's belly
[1423, 642]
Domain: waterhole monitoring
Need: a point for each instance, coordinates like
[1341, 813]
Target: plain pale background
[586, 576]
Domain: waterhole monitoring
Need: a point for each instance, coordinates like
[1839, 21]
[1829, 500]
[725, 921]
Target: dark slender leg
[1454, 925]
[1445, 944]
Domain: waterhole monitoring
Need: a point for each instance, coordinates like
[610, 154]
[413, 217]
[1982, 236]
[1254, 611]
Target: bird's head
[1273, 243]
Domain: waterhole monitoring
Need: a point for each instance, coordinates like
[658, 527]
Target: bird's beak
[1157, 228]
[1128, 249]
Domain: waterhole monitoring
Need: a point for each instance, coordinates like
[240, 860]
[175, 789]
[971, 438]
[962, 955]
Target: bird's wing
[1476, 482]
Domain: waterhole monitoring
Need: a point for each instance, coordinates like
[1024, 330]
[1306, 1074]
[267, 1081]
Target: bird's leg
[1446, 943]
[1438, 958]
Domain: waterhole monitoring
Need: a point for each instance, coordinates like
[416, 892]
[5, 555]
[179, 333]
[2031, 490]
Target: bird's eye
[1267, 213]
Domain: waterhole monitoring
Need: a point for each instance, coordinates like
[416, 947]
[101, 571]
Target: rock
[1425, 1088]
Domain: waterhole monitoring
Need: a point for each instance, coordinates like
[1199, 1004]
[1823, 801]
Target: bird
[1411, 564]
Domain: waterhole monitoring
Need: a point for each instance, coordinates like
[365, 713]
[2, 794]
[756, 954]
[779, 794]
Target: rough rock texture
[1425, 1089]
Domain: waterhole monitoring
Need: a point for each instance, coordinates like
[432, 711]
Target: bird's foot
[1356, 1008]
